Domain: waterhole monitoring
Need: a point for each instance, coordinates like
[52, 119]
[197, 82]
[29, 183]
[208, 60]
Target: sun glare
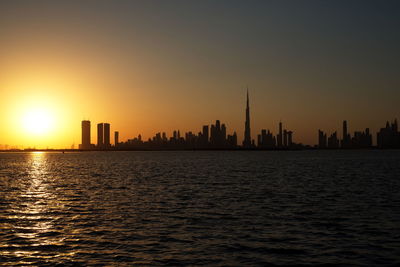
[37, 121]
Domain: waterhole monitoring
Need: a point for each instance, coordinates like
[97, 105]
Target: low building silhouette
[283, 140]
[322, 139]
[389, 137]
[266, 140]
[361, 139]
[333, 141]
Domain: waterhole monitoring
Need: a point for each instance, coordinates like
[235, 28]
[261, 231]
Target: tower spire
[247, 135]
[247, 97]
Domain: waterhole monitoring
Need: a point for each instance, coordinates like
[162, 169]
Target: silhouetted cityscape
[216, 138]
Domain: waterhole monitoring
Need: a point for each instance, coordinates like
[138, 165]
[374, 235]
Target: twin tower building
[103, 136]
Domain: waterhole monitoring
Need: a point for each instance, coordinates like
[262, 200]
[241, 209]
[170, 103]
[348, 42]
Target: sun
[37, 121]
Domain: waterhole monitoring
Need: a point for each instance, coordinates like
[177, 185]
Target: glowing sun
[37, 121]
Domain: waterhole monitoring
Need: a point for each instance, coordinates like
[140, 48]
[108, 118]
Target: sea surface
[218, 208]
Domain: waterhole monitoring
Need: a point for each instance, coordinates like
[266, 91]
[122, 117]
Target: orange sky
[152, 68]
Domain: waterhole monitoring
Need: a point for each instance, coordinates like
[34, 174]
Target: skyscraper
[322, 139]
[103, 135]
[346, 137]
[107, 142]
[247, 135]
[223, 133]
[100, 135]
[116, 138]
[205, 135]
[85, 135]
[290, 139]
[285, 138]
[280, 137]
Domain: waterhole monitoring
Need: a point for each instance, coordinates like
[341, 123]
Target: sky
[154, 66]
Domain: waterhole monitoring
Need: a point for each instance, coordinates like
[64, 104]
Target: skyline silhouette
[216, 138]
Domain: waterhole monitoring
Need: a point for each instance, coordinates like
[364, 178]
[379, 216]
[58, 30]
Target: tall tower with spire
[247, 135]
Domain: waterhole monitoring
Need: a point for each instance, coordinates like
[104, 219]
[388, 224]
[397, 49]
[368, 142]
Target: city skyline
[218, 137]
[158, 65]
[386, 137]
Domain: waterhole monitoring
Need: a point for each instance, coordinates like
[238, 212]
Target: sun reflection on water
[35, 213]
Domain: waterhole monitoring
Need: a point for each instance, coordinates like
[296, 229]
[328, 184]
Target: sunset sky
[153, 66]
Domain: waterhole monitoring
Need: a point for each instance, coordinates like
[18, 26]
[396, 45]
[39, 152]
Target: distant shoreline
[233, 149]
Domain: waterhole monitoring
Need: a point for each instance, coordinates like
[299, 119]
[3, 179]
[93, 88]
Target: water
[200, 208]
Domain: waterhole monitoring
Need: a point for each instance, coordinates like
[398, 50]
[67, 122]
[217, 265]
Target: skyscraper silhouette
[103, 136]
[346, 136]
[116, 138]
[107, 142]
[285, 138]
[205, 136]
[290, 139]
[322, 139]
[247, 135]
[280, 136]
[100, 135]
[85, 135]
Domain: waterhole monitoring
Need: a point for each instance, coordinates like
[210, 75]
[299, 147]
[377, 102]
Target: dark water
[200, 208]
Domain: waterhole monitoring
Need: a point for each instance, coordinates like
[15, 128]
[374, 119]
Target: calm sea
[225, 208]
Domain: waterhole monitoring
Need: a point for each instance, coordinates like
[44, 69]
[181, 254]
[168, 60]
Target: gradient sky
[150, 66]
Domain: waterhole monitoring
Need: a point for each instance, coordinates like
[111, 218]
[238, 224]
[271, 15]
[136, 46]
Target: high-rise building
[205, 136]
[107, 142]
[85, 135]
[247, 134]
[280, 136]
[100, 135]
[290, 138]
[218, 138]
[322, 139]
[103, 135]
[346, 141]
[285, 138]
[223, 133]
[116, 138]
[205, 133]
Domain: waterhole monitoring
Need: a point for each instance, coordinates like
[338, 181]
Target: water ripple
[200, 208]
